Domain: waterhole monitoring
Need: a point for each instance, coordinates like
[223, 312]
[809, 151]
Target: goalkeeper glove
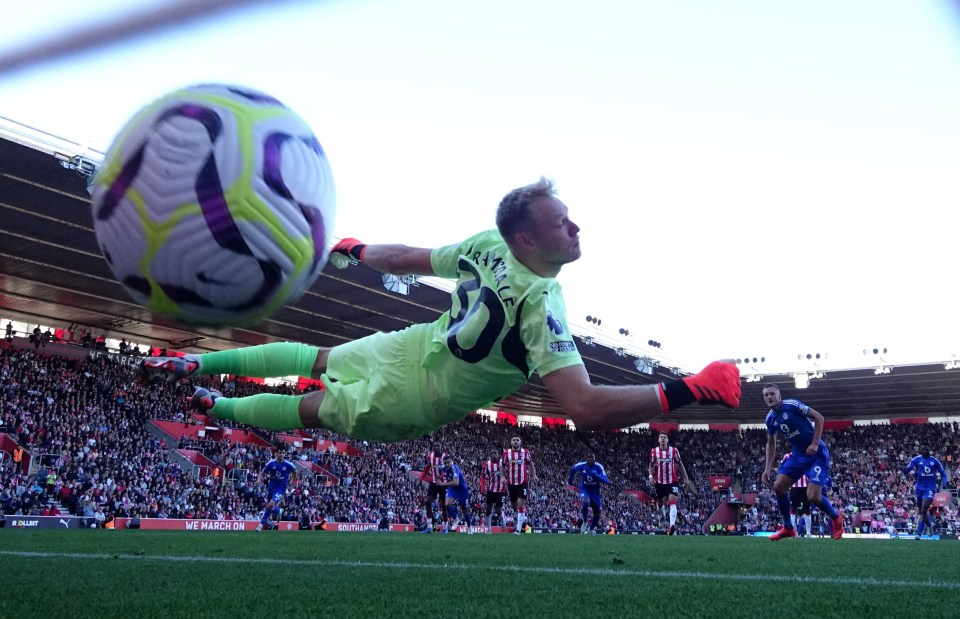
[346, 251]
[718, 383]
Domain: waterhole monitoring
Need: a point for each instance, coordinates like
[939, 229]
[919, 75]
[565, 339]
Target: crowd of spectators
[86, 423]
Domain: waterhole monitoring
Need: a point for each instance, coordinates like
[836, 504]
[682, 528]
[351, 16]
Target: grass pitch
[242, 574]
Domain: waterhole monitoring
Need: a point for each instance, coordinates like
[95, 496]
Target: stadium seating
[120, 447]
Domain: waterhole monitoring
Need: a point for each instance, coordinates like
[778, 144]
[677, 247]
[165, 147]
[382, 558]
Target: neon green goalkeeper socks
[270, 411]
[268, 360]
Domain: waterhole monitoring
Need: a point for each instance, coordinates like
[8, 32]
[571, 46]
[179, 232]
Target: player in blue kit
[592, 475]
[458, 492]
[801, 426]
[277, 473]
[926, 468]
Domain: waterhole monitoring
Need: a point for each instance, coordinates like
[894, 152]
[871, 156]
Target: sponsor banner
[941, 499]
[847, 535]
[176, 524]
[44, 522]
[364, 526]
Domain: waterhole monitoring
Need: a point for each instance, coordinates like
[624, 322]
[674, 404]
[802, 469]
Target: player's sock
[793, 520]
[921, 525]
[270, 411]
[807, 523]
[827, 507]
[268, 360]
[673, 514]
[490, 522]
[783, 502]
[521, 518]
[584, 512]
[595, 520]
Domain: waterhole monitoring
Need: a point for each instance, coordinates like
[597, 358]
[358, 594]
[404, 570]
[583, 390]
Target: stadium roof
[51, 271]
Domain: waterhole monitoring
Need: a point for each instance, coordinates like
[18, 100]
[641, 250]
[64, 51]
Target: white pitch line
[567, 571]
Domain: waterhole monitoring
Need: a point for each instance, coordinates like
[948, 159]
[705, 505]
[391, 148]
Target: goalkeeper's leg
[268, 360]
[270, 411]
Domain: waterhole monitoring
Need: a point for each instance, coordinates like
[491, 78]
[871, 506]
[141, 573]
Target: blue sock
[783, 502]
[827, 507]
[452, 510]
[584, 511]
[594, 520]
[920, 526]
[468, 518]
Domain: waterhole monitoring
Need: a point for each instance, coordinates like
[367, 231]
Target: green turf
[167, 574]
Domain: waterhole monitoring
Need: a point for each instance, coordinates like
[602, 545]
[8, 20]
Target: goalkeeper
[507, 320]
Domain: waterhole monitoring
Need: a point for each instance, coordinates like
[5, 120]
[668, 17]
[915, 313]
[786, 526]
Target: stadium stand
[99, 445]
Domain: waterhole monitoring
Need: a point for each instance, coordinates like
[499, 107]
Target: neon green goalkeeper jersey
[505, 323]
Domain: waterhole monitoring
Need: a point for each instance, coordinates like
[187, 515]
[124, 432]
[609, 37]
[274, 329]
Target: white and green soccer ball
[215, 205]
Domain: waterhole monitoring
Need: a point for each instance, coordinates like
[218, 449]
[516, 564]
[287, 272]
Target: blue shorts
[276, 494]
[460, 494]
[815, 467]
[591, 497]
[925, 491]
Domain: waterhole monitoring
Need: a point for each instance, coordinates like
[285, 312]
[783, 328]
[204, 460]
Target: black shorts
[434, 491]
[495, 499]
[665, 490]
[799, 501]
[517, 492]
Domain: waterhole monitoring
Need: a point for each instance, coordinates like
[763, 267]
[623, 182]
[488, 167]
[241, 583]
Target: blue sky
[752, 178]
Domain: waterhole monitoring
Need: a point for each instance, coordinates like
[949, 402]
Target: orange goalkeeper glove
[718, 383]
[346, 251]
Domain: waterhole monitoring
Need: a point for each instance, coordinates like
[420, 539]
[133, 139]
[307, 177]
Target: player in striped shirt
[520, 472]
[800, 504]
[801, 426]
[666, 473]
[432, 473]
[493, 485]
[926, 468]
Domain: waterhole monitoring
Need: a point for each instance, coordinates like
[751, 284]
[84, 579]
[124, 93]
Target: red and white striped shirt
[800, 483]
[665, 465]
[431, 470]
[515, 465]
[491, 479]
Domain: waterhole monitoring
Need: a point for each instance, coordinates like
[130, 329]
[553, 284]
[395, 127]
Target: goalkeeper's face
[555, 236]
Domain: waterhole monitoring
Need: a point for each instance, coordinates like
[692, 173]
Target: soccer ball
[215, 205]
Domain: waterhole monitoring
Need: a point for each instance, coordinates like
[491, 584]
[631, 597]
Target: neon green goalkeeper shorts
[373, 387]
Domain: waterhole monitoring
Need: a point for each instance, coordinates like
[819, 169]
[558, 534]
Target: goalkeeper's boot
[783, 533]
[155, 370]
[203, 400]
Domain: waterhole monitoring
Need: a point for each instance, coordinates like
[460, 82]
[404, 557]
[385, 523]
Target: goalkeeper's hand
[346, 252]
[718, 383]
